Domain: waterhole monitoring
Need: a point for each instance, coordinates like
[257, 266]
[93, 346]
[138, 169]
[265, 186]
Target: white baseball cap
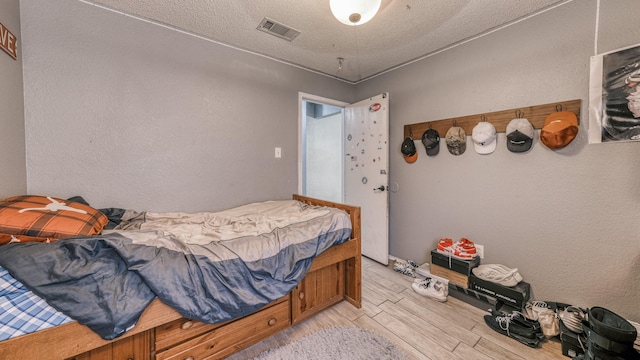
[484, 138]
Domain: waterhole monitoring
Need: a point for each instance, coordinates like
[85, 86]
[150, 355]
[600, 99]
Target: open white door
[366, 171]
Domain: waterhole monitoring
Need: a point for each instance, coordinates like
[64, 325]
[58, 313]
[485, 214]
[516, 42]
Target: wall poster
[614, 96]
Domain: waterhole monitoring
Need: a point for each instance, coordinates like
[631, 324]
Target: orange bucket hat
[560, 128]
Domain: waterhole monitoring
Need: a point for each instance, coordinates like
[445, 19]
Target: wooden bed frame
[162, 334]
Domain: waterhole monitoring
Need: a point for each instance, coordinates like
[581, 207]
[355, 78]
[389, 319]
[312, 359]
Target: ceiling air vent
[276, 29]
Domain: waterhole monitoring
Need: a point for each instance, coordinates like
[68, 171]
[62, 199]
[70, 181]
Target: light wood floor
[422, 327]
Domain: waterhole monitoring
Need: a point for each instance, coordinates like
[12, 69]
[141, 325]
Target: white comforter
[204, 227]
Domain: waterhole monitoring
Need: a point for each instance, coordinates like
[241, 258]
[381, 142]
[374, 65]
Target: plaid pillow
[40, 218]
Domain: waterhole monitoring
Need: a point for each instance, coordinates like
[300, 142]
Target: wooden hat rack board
[535, 114]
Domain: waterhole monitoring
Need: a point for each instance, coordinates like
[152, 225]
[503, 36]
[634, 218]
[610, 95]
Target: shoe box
[460, 266]
[452, 276]
[572, 343]
[504, 308]
[475, 298]
[515, 296]
[455, 270]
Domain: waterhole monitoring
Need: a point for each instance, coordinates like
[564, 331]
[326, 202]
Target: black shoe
[505, 325]
[520, 319]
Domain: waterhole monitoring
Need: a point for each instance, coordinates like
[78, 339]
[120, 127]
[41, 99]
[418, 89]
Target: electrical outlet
[480, 251]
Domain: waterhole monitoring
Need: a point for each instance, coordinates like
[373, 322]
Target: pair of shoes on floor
[464, 249]
[515, 326]
[431, 288]
[541, 311]
[497, 273]
[572, 317]
[406, 267]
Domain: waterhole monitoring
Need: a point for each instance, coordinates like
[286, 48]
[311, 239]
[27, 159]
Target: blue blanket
[106, 282]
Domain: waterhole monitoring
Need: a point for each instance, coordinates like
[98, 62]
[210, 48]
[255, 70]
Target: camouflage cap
[456, 139]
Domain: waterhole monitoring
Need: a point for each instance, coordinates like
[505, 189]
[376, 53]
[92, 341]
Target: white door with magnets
[366, 171]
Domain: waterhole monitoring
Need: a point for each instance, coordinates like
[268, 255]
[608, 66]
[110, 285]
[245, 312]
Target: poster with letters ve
[614, 96]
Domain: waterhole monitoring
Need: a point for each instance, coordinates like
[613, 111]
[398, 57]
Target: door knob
[380, 188]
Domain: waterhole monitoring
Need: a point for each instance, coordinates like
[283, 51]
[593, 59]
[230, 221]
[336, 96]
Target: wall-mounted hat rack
[536, 114]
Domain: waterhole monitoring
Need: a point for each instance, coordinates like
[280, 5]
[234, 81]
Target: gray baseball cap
[431, 142]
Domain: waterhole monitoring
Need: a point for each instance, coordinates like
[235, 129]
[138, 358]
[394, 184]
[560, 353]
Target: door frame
[317, 99]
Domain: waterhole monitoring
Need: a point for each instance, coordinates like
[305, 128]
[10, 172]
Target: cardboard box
[572, 343]
[452, 276]
[460, 266]
[515, 296]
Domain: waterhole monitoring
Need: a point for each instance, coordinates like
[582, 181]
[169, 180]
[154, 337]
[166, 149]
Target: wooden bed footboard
[350, 254]
[163, 334]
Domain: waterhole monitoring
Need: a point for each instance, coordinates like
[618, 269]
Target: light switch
[278, 153]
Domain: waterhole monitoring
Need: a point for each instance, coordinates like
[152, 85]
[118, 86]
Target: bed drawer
[229, 337]
[177, 331]
[180, 330]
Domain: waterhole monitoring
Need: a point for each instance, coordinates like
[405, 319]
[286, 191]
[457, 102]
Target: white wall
[569, 219]
[132, 114]
[13, 177]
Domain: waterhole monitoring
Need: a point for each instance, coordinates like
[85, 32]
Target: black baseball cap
[409, 150]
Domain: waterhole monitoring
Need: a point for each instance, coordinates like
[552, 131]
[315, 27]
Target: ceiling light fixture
[354, 12]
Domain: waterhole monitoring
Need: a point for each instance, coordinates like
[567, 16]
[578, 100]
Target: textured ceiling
[402, 31]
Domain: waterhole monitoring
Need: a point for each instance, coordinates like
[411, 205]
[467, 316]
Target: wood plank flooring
[422, 327]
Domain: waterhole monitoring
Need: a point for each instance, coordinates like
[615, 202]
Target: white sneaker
[572, 317]
[540, 311]
[549, 323]
[431, 288]
[406, 267]
[533, 309]
[497, 273]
